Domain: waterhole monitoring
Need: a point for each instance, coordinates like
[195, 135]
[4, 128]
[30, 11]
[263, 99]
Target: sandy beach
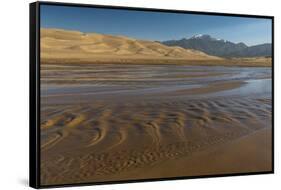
[104, 122]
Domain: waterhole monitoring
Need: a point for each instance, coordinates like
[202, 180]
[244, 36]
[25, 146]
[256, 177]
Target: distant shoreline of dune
[244, 62]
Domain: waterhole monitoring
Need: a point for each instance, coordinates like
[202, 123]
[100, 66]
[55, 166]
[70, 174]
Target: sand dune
[68, 46]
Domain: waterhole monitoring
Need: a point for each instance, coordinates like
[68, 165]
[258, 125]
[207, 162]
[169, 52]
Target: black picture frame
[34, 93]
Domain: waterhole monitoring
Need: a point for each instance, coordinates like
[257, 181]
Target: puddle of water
[143, 79]
[252, 87]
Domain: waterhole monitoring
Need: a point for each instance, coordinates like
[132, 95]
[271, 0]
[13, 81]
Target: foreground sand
[250, 153]
[120, 122]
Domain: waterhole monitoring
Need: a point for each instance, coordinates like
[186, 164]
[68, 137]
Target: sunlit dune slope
[57, 44]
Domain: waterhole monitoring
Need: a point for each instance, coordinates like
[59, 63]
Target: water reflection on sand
[120, 122]
[123, 80]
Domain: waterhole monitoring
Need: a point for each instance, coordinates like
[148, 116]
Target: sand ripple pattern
[89, 142]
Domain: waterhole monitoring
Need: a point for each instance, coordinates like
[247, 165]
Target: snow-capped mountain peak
[207, 37]
[197, 36]
[202, 36]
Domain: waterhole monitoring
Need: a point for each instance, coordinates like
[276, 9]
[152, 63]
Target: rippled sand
[120, 122]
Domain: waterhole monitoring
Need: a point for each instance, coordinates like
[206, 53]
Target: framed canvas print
[120, 94]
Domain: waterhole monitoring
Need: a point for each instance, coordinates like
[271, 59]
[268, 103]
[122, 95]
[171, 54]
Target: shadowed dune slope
[57, 44]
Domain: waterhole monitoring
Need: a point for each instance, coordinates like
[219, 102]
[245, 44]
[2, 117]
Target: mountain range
[220, 47]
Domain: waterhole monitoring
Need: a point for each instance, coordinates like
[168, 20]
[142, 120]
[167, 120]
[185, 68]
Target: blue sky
[156, 25]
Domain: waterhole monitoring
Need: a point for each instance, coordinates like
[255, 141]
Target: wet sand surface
[121, 122]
